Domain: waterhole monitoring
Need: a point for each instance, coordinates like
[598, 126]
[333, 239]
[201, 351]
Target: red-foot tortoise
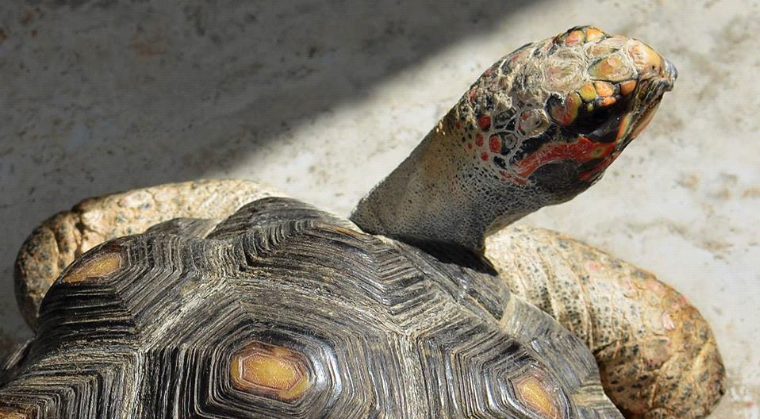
[222, 299]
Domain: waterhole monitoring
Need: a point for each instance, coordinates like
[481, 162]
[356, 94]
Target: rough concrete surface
[322, 98]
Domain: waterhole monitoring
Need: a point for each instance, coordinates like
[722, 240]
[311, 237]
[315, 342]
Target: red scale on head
[484, 156]
[479, 140]
[495, 143]
[603, 165]
[484, 122]
[580, 151]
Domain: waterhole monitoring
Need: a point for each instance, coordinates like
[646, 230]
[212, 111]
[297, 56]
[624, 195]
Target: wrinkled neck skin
[438, 195]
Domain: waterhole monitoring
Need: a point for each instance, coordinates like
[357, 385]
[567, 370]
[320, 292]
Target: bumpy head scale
[578, 98]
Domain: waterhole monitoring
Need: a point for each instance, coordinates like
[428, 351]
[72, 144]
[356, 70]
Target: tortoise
[225, 299]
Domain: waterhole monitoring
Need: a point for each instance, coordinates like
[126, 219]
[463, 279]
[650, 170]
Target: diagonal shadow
[115, 84]
[108, 95]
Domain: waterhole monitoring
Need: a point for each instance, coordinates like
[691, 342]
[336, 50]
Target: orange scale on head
[608, 101]
[494, 143]
[593, 34]
[646, 60]
[612, 68]
[598, 50]
[627, 87]
[566, 112]
[574, 38]
[604, 89]
[484, 122]
[588, 92]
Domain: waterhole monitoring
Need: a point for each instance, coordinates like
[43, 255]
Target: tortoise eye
[601, 124]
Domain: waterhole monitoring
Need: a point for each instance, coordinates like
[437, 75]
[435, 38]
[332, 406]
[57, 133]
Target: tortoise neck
[438, 195]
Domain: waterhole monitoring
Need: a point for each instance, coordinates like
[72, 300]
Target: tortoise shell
[285, 311]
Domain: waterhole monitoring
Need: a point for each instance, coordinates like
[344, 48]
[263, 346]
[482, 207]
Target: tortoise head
[555, 114]
[537, 128]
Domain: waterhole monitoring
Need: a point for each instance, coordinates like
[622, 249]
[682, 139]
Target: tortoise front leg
[60, 239]
[657, 355]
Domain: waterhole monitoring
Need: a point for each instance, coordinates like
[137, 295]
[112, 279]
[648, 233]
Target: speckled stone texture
[322, 99]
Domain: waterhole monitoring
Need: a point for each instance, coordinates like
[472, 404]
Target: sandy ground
[322, 98]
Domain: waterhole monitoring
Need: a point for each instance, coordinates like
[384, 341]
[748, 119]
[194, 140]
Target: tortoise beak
[656, 76]
[645, 102]
[672, 74]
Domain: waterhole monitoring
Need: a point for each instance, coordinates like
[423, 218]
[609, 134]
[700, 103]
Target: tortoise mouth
[615, 135]
[628, 119]
[646, 100]
[599, 139]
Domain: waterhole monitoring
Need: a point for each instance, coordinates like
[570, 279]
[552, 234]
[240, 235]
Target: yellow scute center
[97, 267]
[10, 414]
[270, 371]
[538, 398]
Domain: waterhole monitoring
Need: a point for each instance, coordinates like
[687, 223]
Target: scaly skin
[537, 128]
[657, 355]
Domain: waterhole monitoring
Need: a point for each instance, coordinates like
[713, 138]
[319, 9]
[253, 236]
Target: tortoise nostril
[671, 70]
[668, 76]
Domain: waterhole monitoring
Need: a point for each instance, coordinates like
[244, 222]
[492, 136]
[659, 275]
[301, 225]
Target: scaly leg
[657, 355]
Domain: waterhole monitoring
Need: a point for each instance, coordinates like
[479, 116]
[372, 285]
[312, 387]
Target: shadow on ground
[101, 96]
